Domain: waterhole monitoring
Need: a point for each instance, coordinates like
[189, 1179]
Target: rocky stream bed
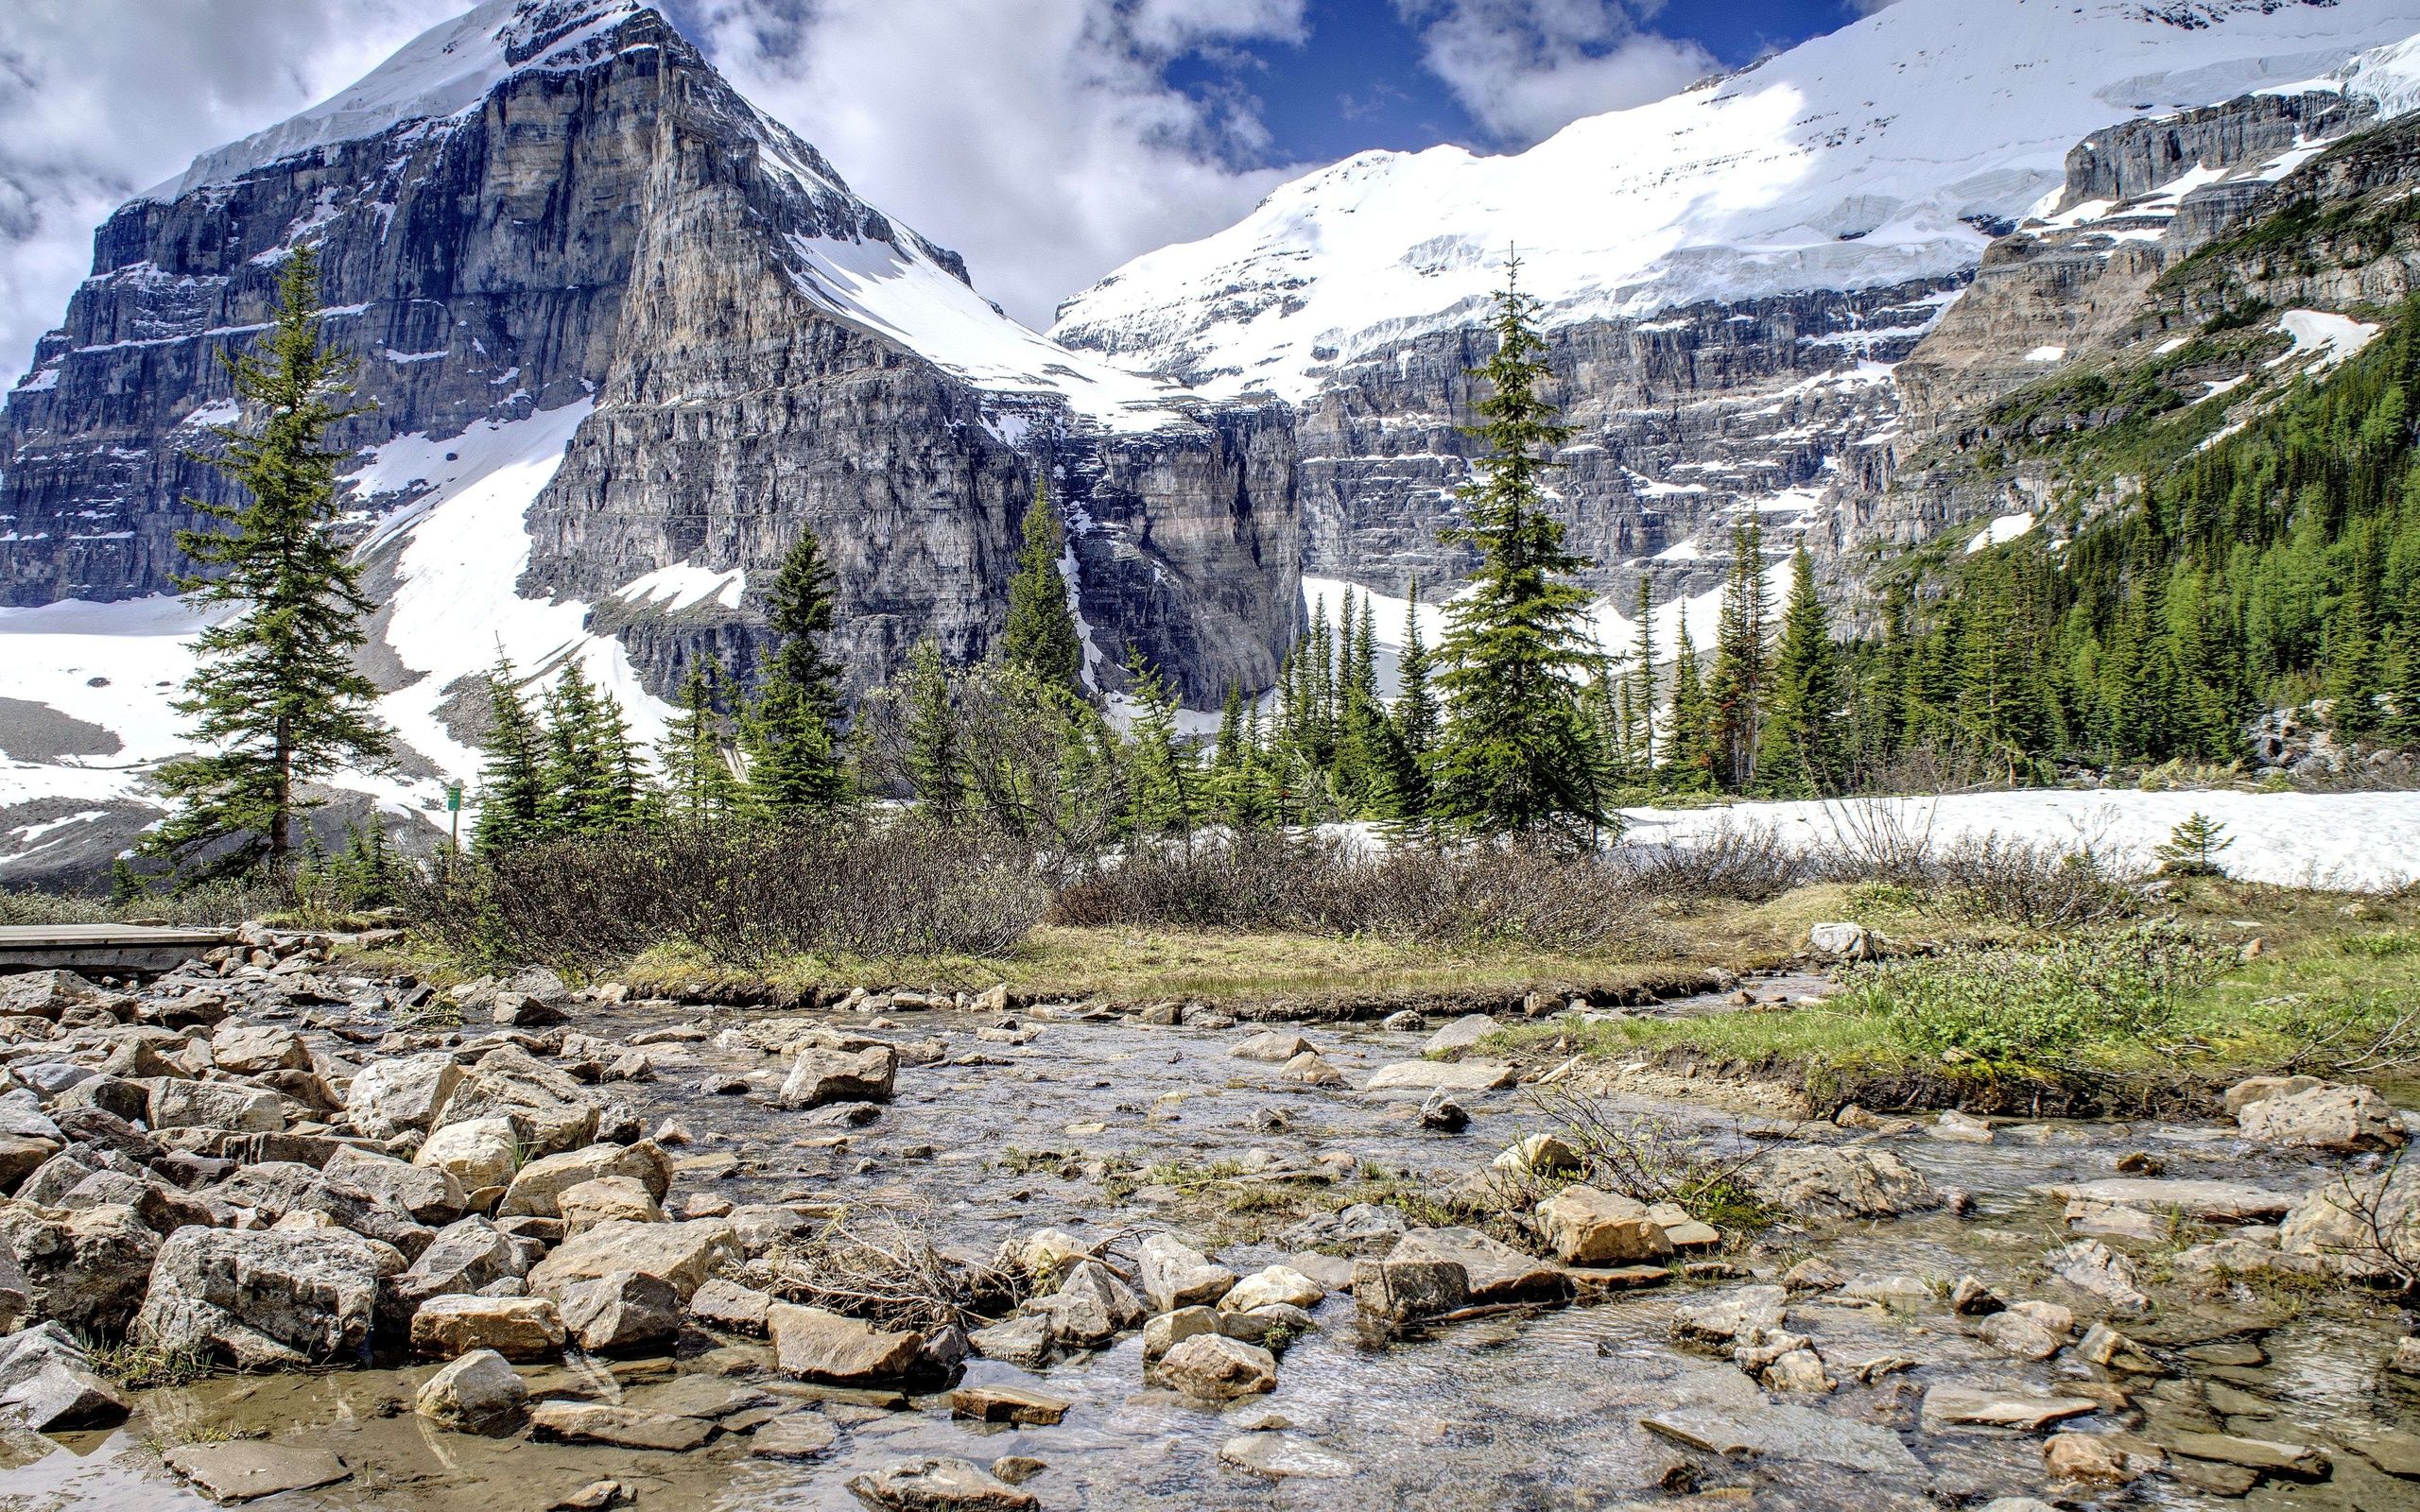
[1229, 1296]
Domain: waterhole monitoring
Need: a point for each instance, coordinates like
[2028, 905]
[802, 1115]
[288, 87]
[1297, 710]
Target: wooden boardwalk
[103, 947]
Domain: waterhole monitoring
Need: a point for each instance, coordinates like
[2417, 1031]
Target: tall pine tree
[1803, 737]
[1041, 633]
[512, 784]
[794, 755]
[1516, 756]
[275, 699]
[699, 783]
[1737, 689]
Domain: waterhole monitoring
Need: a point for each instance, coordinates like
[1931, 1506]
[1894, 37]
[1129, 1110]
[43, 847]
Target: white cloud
[1038, 137]
[101, 99]
[1524, 69]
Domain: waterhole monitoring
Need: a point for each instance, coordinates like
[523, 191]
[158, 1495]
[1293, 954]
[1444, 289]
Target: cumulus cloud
[1524, 69]
[101, 100]
[1041, 138]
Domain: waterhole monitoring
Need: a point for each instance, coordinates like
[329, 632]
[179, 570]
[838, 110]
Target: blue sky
[1358, 80]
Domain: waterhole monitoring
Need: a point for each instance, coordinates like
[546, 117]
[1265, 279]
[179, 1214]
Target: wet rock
[1361, 1228]
[1727, 1316]
[480, 1154]
[1273, 1045]
[2099, 1459]
[597, 1496]
[516, 1328]
[1090, 1307]
[477, 1393]
[1439, 1076]
[1959, 1129]
[2223, 1260]
[940, 1486]
[1462, 1034]
[2089, 1265]
[1283, 1456]
[1166, 1331]
[1274, 1285]
[1007, 1404]
[796, 1435]
[1018, 1341]
[2213, 1201]
[464, 1255]
[2296, 1462]
[1312, 1070]
[2021, 1336]
[1799, 1370]
[388, 1097]
[2339, 1226]
[730, 1307]
[621, 1313]
[591, 1423]
[89, 1269]
[2101, 1220]
[810, 1343]
[1828, 1183]
[1813, 1274]
[537, 1188]
[1586, 1227]
[1538, 1152]
[2405, 1358]
[249, 1470]
[248, 1049]
[1218, 1368]
[1906, 1292]
[1732, 1420]
[2252, 1090]
[2344, 1119]
[819, 1076]
[1496, 1272]
[1842, 941]
[264, 1298]
[1972, 1298]
[1952, 1405]
[1404, 1021]
[1681, 1230]
[47, 1384]
[684, 1254]
[1443, 1115]
[1173, 1274]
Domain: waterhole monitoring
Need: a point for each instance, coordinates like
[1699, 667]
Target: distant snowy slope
[1862, 159]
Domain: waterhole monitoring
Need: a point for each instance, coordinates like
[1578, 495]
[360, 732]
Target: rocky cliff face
[604, 221]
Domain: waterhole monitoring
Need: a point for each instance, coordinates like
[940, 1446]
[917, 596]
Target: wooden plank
[105, 948]
[26, 936]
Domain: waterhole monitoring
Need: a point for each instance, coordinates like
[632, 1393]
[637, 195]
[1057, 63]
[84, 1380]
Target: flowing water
[1530, 1410]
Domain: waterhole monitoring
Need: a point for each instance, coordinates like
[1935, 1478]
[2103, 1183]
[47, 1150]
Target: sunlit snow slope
[1866, 158]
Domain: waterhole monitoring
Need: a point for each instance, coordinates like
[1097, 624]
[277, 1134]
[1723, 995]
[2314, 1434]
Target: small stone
[1442, 1114]
[1972, 1298]
[593, 1422]
[1218, 1369]
[516, 1328]
[1173, 1274]
[1313, 1069]
[1961, 1128]
[478, 1393]
[1461, 1034]
[2098, 1459]
[1283, 1456]
[1431, 1076]
[2092, 1266]
[1018, 1469]
[1007, 1404]
[2000, 1409]
[2014, 1333]
[1541, 1153]
[1585, 1226]
[597, 1496]
[1169, 1329]
[813, 1344]
[621, 1312]
[798, 1435]
[1277, 1285]
[1273, 1045]
[940, 1485]
[2300, 1462]
[250, 1470]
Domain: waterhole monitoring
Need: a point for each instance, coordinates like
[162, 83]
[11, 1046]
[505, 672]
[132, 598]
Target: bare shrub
[1472, 894]
[2036, 884]
[1879, 839]
[888, 1270]
[1651, 1159]
[1745, 862]
[742, 894]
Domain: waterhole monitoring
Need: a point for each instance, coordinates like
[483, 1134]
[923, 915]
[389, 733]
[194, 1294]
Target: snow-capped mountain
[626, 336]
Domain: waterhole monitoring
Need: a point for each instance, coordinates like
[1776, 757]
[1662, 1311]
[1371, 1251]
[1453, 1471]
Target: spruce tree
[1515, 754]
[699, 785]
[1041, 633]
[578, 766]
[1413, 723]
[935, 760]
[1643, 691]
[1159, 780]
[275, 699]
[512, 785]
[794, 753]
[1737, 689]
[1689, 750]
[1802, 739]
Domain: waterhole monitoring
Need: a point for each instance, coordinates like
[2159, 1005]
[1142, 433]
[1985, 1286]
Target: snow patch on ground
[2321, 340]
[676, 587]
[2292, 839]
[2002, 530]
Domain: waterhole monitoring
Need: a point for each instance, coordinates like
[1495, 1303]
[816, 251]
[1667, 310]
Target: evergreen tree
[275, 699]
[2191, 849]
[1690, 751]
[512, 786]
[935, 763]
[1802, 737]
[588, 767]
[1159, 774]
[1516, 755]
[794, 755]
[1643, 690]
[699, 783]
[1737, 689]
[1040, 634]
[1413, 723]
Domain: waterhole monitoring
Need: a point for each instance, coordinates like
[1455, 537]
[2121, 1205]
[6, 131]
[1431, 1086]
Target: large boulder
[2344, 1119]
[480, 1154]
[2354, 1223]
[249, 1049]
[388, 1097]
[517, 1327]
[429, 1194]
[88, 1269]
[478, 1393]
[622, 1313]
[684, 1254]
[813, 1344]
[276, 1189]
[1823, 1181]
[547, 1109]
[606, 1199]
[177, 1104]
[464, 1255]
[537, 1186]
[47, 994]
[47, 1382]
[266, 1297]
[1174, 1275]
[1217, 1368]
[818, 1076]
[1586, 1227]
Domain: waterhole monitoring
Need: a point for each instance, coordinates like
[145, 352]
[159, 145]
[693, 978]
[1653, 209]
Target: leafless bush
[1649, 1160]
[1028, 761]
[203, 904]
[1746, 862]
[743, 894]
[888, 1270]
[1473, 894]
[2035, 883]
[2361, 1035]
[1879, 839]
